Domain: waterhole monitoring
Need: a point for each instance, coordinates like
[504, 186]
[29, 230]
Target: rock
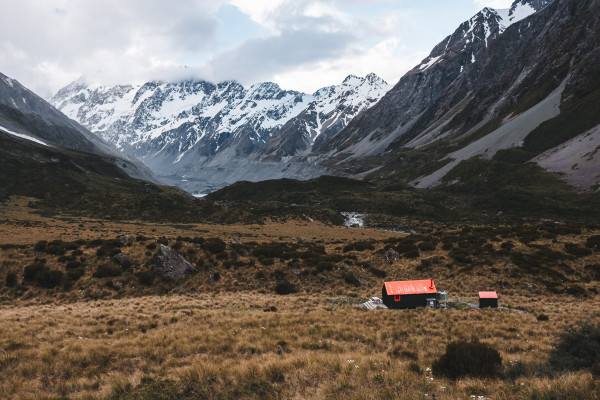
[360, 283]
[126, 239]
[171, 265]
[392, 255]
[119, 258]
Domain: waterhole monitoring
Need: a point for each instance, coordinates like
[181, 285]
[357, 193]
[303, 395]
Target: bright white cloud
[498, 4]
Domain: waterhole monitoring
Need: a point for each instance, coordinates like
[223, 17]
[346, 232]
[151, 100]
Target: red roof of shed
[410, 287]
[488, 295]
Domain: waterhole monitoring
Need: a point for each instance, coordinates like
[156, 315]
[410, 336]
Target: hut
[409, 294]
[488, 299]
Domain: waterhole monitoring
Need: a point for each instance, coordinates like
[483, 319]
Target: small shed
[409, 294]
[488, 299]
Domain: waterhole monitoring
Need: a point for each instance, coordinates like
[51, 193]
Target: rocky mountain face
[529, 84]
[416, 91]
[24, 116]
[197, 134]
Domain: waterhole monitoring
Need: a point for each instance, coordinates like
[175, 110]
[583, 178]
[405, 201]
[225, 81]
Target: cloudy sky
[299, 44]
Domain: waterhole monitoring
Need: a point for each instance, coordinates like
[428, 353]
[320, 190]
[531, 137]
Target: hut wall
[493, 303]
[406, 300]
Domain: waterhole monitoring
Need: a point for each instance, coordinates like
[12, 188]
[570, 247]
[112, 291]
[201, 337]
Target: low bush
[577, 250]
[146, 278]
[358, 246]
[285, 287]
[464, 358]
[577, 348]
[351, 279]
[593, 242]
[11, 279]
[214, 245]
[108, 270]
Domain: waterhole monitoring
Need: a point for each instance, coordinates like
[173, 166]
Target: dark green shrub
[577, 348]
[427, 246]
[11, 279]
[146, 278]
[379, 273]
[577, 250]
[358, 246]
[108, 270]
[285, 287]
[163, 240]
[266, 261]
[464, 358]
[151, 246]
[593, 270]
[49, 278]
[77, 252]
[75, 273]
[40, 246]
[73, 265]
[593, 242]
[351, 279]
[214, 245]
[216, 276]
[30, 271]
[542, 317]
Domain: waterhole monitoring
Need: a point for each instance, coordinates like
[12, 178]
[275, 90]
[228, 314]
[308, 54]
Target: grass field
[201, 337]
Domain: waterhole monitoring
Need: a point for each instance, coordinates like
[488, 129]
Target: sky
[299, 44]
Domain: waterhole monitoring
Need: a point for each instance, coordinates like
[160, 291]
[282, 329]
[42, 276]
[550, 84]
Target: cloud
[497, 4]
[261, 58]
[113, 40]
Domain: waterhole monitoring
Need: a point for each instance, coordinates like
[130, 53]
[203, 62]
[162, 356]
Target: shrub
[379, 273]
[40, 246]
[464, 358]
[593, 242]
[151, 246]
[75, 273]
[146, 278]
[577, 250]
[351, 279]
[215, 245]
[285, 287]
[358, 246]
[11, 279]
[542, 317]
[32, 270]
[578, 348]
[107, 270]
[50, 278]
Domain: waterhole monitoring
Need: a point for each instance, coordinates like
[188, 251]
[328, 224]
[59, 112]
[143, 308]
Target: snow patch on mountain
[23, 136]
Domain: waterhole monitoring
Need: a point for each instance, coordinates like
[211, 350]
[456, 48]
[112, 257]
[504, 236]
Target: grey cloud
[261, 58]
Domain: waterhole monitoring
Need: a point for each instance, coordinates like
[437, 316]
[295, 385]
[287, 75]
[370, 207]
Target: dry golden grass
[228, 343]
[20, 224]
[205, 339]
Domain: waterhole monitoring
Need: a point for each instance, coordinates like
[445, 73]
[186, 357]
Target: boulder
[171, 265]
[119, 258]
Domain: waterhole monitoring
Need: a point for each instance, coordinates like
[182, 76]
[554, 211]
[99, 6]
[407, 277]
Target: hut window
[396, 297]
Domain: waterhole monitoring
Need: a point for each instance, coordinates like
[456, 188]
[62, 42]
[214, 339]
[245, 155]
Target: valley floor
[218, 339]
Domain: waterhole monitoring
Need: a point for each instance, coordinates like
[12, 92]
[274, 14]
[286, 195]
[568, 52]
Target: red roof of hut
[410, 287]
[488, 295]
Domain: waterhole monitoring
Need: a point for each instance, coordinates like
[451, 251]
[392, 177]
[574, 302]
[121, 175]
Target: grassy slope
[118, 338]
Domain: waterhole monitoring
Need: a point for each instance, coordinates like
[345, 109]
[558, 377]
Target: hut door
[396, 297]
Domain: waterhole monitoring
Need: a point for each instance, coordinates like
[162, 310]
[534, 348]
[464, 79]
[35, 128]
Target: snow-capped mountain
[188, 129]
[331, 110]
[172, 118]
[26, 116]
